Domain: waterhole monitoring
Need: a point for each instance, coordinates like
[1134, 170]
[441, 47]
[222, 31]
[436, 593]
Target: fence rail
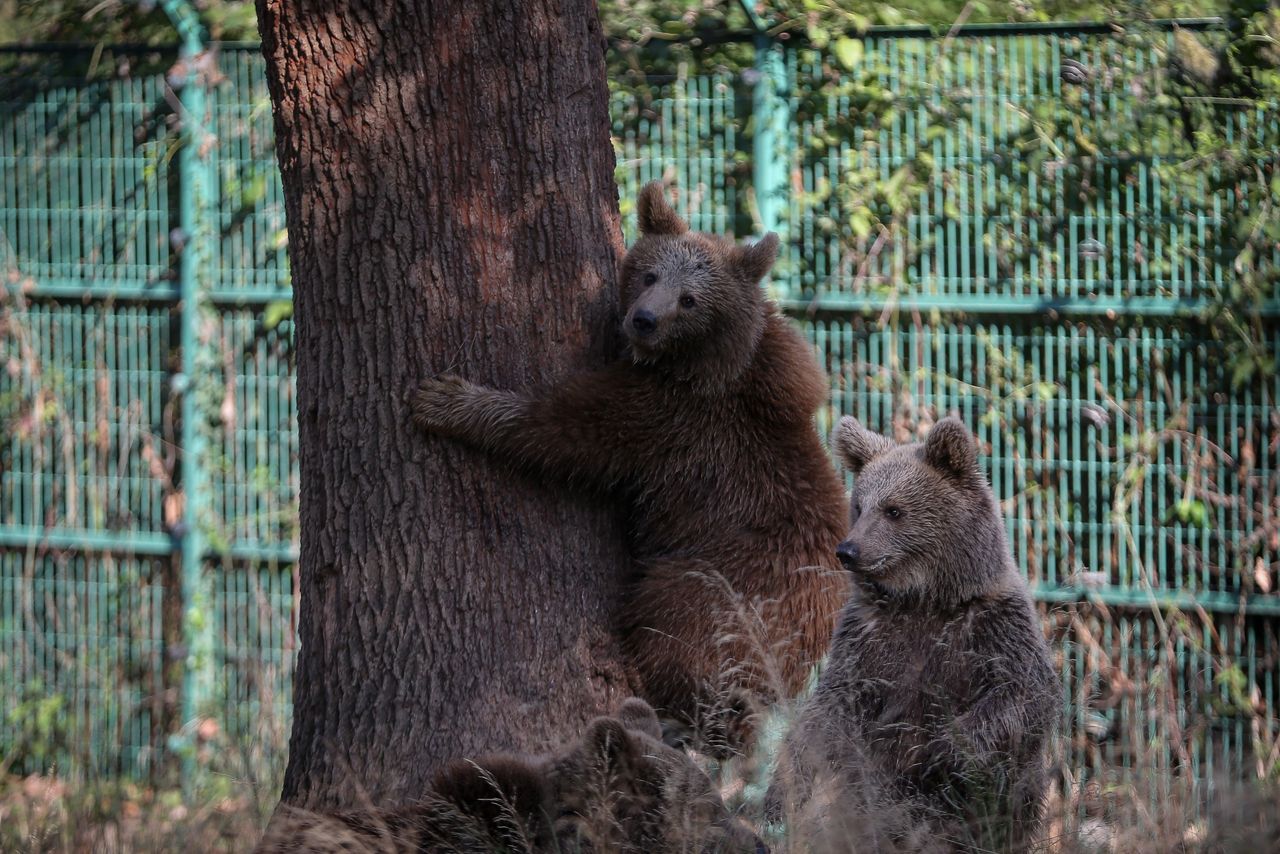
[1061, 301]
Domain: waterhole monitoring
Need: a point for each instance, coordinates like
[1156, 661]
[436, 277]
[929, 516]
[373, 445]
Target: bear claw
[436, 399]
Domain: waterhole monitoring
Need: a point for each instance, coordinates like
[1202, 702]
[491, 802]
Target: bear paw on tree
[446, 405]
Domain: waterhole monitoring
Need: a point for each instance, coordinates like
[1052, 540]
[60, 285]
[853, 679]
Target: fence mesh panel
[1040, 296]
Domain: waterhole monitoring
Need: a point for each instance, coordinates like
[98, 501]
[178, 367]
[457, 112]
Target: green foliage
[39, 720]
[276, 313]
[1192, 512]
[1227, 115]
[118, 21]
[1235, 686]
[1199, 124]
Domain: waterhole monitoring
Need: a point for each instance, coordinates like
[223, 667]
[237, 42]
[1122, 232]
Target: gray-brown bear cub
[705, 438]
[932, 718]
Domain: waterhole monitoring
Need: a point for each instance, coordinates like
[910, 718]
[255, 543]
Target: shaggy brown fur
[622, 789]
[939, 694]
[617, 789]
[705, 435]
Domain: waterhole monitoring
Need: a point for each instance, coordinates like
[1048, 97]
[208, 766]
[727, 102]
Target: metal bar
[758, 22]
[120, 290]
[1033, 28]
[1029, 28]
[999, 305]
[1118, 597]
[138, 290]
[196, 188]
[127, 542]
[771, 115]
[257, 553]
[81, 48]
[136, 543]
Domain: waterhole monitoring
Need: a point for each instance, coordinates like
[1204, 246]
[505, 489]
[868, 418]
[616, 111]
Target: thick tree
[451, 205]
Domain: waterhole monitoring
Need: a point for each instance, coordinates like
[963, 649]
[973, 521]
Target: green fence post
[770, 117]
[196, 187]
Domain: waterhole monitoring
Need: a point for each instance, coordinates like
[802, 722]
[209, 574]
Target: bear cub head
[619, 788]
[689, 294]
[622, 789]
[924, 523]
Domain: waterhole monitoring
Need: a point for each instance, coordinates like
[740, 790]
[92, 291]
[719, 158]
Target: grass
[219, 802]
[49, 814]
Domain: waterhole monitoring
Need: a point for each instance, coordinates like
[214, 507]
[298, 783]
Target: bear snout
[643, 322]
[848, 553]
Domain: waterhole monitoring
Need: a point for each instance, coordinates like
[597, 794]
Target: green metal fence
[1141, 488]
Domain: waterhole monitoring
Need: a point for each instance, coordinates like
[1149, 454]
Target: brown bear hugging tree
[929, 726]
[705, 435]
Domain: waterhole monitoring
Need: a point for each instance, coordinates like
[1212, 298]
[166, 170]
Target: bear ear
[639, 716]
[608, 743]
[755, 261]
[656, 215]
[950, 447]
[856, 445]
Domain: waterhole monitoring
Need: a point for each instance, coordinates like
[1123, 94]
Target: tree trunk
[449, 188]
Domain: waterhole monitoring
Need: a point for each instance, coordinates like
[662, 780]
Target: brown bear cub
[706, 436]
[617, 789]
[936, 704]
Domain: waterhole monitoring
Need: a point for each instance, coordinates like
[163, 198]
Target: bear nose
[644, 322]
[848, 553]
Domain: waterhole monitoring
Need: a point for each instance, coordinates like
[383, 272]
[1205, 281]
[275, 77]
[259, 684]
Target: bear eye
[893, 512]
[650, 278]
[687, 301]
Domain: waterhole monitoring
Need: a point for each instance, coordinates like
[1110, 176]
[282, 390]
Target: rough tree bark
[451, 205]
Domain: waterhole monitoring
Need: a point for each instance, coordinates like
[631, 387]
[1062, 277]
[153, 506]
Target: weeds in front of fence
[213, 791]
